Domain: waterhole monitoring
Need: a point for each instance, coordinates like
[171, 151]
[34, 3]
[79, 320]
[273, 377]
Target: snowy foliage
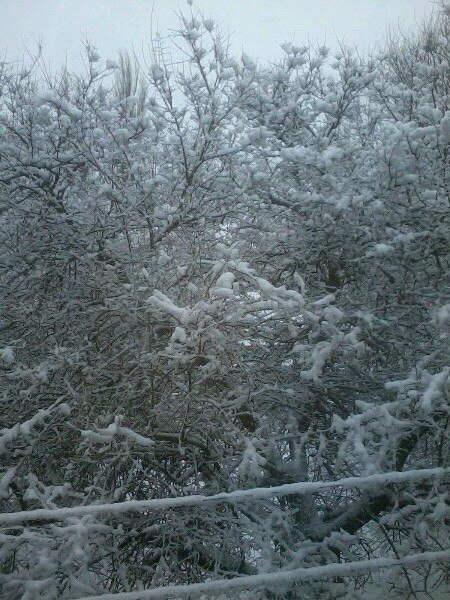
[218, 276]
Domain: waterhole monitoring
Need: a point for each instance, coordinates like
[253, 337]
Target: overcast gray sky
[256, 26]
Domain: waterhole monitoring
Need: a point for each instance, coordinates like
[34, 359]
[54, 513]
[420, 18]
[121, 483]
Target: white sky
[256, 26]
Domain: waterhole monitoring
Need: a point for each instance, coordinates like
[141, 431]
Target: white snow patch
[7, 355]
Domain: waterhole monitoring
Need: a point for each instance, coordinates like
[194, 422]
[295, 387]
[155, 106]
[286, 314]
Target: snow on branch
[300, 488]
[7, 435]
[349, 569]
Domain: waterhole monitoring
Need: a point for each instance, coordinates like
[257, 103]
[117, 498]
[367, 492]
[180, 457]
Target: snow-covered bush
[217, 278]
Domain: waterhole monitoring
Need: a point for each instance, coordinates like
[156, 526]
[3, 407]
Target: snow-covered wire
[279, 578]
[299, 488]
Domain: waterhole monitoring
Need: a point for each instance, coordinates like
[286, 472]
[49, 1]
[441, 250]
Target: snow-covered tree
[219, 277]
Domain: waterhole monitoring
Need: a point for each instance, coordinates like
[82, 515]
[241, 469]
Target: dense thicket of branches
[217, 276]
